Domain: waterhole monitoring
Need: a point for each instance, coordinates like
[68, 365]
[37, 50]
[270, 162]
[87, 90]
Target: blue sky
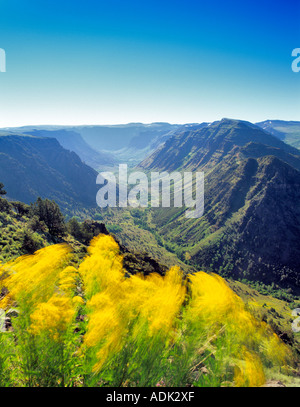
[106, 62]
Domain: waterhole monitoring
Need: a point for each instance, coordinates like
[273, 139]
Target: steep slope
[257, 150]
[254, 221]
[251, 223]
[70, 140]
[288, 131]
[32, 167]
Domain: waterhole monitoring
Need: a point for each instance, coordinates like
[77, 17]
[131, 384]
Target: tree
[4, 204]
[31, 242]
[21, 208]
[74, 228]
[84, 232]
[49, 213]
[2, 191]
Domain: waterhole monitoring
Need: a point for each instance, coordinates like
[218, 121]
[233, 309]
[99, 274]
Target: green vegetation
[94, 325]
[137, 234]
[27, 228]
[265, 306]
[19, 233]
[249, 234]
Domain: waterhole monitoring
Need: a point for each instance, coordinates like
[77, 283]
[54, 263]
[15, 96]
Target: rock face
[141, 263]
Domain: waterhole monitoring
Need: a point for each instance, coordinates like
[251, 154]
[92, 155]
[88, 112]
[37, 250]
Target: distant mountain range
[105, 146]
[70, 140]
[251, 224]
[289, 132]
[37, 166]
[129, 143]
[58, 163]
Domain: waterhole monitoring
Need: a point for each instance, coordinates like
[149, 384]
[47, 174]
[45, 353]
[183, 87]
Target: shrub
[31, 242]
[96, 326]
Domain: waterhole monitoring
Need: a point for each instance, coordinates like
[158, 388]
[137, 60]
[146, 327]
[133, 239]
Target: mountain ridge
[249, 186]
[195, 148]
[31, 167]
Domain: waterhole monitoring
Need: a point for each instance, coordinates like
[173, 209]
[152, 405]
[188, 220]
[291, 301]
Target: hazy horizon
[57, 125]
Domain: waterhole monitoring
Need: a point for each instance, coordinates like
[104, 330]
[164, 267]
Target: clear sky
[118, 61]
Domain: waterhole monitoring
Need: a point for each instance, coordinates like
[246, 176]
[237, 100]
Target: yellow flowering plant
[95, 325]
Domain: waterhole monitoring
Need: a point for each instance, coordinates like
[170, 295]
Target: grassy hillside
[27, 228]
[278, 314]
[274, 311]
